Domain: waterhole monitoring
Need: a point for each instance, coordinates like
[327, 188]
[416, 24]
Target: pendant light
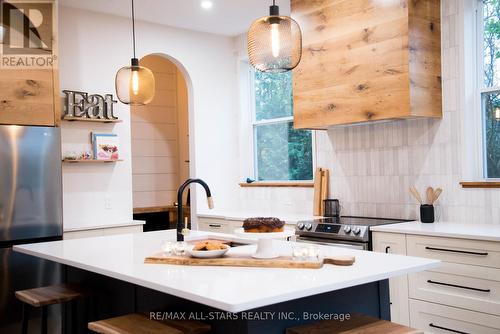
[274, 42]
[135, 84]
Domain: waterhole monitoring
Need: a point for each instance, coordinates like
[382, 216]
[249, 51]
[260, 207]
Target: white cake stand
[265, 249]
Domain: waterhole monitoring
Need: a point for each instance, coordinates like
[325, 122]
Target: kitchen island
[115, 264]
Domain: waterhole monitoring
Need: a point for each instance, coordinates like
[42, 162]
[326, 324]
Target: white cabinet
[465, 251]
[469, 277]
[219, 225]
[214, 225]
[398, 286]
[460, 296]
[471, 287]
[436, 318]
[223, 225]
[97, 232]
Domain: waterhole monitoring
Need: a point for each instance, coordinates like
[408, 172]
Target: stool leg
[44, 319]
[74, 317]
[25, 318]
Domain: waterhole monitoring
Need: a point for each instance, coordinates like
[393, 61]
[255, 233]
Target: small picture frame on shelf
[105, 146]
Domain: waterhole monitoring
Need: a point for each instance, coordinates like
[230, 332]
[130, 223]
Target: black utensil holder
[427, 213]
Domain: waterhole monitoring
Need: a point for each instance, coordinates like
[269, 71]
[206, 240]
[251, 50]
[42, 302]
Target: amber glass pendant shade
[135, 84]
[274, 43]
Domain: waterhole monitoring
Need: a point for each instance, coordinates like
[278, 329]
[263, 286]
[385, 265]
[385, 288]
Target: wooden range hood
[367, 60]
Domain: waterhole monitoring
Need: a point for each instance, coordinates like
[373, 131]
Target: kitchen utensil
[332, 208]
[246, 261]
[437, 193]
[430, 195]
[427, 213]
[415, 194]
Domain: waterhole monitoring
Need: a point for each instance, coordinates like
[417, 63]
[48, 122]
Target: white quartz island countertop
[232, 289]
[488, 232]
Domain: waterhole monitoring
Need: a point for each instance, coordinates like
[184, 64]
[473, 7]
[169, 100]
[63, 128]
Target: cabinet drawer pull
[458, 286]
[387, 249]
[447, 329]
[214, 225]
[456, 251]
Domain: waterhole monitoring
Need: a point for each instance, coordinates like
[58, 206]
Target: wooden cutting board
[317, 192]
[245, 261]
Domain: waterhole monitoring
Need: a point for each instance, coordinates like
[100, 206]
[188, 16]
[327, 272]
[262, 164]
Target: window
[489, 83]
[281, 153]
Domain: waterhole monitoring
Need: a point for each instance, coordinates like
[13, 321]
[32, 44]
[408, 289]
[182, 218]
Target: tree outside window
[281, 152]
[490, 85]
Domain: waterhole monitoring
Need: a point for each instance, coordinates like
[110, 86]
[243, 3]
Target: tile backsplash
[373, 165]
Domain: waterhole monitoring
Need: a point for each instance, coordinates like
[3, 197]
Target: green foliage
[491, 101]
[282, 152]
[273, 95]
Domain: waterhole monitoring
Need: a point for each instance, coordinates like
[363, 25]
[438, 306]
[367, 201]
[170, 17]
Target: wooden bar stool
[357, 324]
[139, 323]
[46, 296]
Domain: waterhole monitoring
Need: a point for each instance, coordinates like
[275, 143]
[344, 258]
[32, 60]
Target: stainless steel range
[345, 231]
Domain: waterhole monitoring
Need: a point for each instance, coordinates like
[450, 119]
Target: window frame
[480, 89]
[280, 120]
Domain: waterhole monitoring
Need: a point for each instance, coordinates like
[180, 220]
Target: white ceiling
[226, 17]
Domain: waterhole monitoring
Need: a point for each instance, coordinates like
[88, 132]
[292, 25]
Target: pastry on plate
[209, 245]
[263, 225]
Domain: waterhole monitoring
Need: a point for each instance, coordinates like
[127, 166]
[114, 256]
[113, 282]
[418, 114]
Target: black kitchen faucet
[180, 212]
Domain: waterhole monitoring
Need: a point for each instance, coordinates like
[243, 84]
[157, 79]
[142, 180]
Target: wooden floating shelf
[278, 184]
[485, 184]
[90, 161]
[80, 119]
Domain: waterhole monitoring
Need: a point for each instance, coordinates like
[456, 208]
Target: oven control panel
[334, 231]
[327, 228]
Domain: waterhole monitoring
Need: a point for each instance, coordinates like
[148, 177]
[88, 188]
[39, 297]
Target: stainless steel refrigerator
[30, 211]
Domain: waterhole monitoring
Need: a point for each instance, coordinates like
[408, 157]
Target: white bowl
[208, 254]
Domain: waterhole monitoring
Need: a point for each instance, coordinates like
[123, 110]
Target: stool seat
[357, 324]
[139, 323]
[49, 295]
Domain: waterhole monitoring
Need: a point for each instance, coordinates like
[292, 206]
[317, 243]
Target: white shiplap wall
[155, 147]
[373, 165]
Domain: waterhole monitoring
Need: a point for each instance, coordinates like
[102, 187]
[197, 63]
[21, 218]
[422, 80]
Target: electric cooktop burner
[363, 221]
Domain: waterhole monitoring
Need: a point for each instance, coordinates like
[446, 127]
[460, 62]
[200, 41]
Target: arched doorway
[160, 143]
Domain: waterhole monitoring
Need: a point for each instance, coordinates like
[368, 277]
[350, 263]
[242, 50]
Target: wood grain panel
[30, 96]
[356, 324]
[365, 60]
[27, 97]
[131, 323]
[424, 21]
[487, 184]
[246, 261]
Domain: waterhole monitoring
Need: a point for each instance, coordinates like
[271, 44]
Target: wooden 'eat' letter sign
[83, 105]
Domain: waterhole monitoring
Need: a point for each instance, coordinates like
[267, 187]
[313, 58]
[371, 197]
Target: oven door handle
[333, 243]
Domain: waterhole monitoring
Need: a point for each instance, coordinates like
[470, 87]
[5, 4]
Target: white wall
[373, 165]
[92, 48]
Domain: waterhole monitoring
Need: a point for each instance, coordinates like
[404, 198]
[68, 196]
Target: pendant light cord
[133, 27]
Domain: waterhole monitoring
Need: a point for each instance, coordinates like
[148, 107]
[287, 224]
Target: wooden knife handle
[341, 260]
